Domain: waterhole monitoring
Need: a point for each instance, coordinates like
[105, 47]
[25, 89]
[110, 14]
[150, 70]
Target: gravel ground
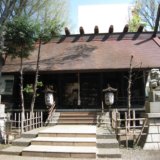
[139, 154]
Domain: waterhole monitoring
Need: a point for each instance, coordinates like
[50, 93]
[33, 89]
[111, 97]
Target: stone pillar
[153, 115]
[2, 122]
[153, 135]
[153, 111]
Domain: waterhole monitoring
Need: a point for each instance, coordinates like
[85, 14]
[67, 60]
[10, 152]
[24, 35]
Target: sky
[82, 12]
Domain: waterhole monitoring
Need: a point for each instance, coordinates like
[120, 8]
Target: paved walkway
[5, 157]
[130, 154]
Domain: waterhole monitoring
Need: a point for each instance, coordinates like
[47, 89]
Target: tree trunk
[36, 80]
[21, 95]
[129, 92]
[1, 39]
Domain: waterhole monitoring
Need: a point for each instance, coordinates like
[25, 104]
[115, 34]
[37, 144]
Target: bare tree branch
[8, 8]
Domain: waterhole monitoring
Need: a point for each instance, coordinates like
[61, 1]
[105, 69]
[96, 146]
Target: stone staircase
[71, 118]
[64, 141]
[70, 135]
[107, 144]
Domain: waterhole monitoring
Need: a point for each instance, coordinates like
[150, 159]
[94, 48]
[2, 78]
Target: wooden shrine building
[80, 66]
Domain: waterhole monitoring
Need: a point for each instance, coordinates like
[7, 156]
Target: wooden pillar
[122, 87]
[79, 94]
[122, 83]
[144, 84]
[101, 88]
[60, 90]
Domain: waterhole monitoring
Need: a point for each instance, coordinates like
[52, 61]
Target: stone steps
[78, 113]
[64, 141]
[66, 135]
[107, 144]
[76, 121]
[70, 140]
[72, 118]
[69, 131]
[77, 117]
[60, 151]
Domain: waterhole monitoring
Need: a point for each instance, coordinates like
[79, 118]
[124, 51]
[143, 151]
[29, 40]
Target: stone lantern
[49, 96]
[109, 95]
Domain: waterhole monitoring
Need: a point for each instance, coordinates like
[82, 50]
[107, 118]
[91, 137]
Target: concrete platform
[12, 150]
[33, 133]
[109, 153]
[107, 143]
[22, 142]
[105, 132]
[152, 115]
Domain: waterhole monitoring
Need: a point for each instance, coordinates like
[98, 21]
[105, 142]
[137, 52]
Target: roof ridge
[103, 37]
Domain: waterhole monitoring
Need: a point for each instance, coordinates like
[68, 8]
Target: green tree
[135, 21]
[20, 40]
[53, 12]
[51, 23]
[145, 12]
[21, 33]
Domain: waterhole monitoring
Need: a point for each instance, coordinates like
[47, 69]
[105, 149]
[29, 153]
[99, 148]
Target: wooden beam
[125, 30]
[157, 40]
[111, 29]
[67, 32]
[157, 22]
[140, 29]
[96, 30]
[81, 30]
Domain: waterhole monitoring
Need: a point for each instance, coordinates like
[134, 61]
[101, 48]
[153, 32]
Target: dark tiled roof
[93, 52]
